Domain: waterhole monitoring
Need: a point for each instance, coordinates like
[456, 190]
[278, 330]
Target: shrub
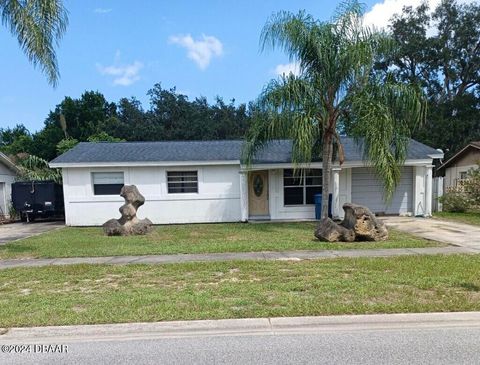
[12, 212]
[471, 186]
[455, 201]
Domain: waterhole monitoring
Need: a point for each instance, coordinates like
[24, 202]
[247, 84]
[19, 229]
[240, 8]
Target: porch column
[244, 196]
[336, 192]
[419, 185]
[428, 190]
[439, 182]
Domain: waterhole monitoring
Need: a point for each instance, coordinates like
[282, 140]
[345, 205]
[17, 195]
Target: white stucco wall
[217, 200]
[279, 211]
[345, 190]
[415, 203]
[7, 177]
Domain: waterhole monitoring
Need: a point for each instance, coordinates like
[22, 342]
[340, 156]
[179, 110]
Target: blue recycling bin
[318, 206]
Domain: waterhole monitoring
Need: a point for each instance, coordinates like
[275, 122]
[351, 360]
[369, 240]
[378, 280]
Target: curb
[238, 327]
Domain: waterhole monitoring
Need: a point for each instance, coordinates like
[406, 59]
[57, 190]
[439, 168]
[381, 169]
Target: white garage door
[368, 190]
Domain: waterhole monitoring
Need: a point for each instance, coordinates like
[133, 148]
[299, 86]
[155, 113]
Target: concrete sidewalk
[246, 326]
[270, 255]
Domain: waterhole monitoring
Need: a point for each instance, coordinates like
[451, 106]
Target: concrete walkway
[266, 256]
[459, 234]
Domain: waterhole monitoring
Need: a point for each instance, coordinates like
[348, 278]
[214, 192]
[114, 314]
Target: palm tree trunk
[327, 155]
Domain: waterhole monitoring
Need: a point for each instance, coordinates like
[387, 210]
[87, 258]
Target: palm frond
[290, 106]
[385, 117]
[38, 26]
[36, 168]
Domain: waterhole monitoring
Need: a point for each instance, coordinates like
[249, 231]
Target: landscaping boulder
[328, 230]
[359, 224]
[366, 226]
[128, 224]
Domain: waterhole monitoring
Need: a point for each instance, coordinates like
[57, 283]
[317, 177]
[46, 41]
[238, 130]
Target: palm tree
[38, 26]
[336, 87]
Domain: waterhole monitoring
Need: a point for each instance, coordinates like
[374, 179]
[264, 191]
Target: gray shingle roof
[178, 151]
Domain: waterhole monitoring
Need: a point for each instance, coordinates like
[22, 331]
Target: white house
[204, 181]
[8, 172]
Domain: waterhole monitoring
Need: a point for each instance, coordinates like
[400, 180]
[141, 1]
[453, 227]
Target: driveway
[458, 234]
[16, 231]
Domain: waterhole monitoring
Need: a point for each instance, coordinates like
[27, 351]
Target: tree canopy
[171, 116]
[439, 50]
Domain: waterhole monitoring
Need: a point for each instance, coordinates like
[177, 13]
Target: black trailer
[38, 199]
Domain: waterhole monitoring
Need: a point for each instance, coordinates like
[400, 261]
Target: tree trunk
[327, 155]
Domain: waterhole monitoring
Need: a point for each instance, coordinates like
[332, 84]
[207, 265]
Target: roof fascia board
[348, 164]
[345, 165]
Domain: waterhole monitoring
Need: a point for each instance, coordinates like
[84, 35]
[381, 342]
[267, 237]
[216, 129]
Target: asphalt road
[438, 345]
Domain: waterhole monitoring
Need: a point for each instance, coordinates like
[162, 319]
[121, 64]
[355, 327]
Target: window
[463, 175]
[300, 188]
[182, 182]
[107, 183]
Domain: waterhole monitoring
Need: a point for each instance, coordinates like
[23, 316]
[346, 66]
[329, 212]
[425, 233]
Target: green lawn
[468, 217]
[85, 294]
[192, 238]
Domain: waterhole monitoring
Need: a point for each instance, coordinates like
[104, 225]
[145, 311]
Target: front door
[258, 193]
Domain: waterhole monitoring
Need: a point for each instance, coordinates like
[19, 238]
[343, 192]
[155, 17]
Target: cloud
[124, 75]
[201, 50]
[381, 13]
[102, 10]
[286, 69]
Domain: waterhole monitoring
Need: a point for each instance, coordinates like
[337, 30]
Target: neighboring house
[8, 172]
[204, 181]
[456, 168]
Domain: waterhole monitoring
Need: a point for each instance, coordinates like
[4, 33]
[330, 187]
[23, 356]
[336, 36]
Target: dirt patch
[25, 291]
